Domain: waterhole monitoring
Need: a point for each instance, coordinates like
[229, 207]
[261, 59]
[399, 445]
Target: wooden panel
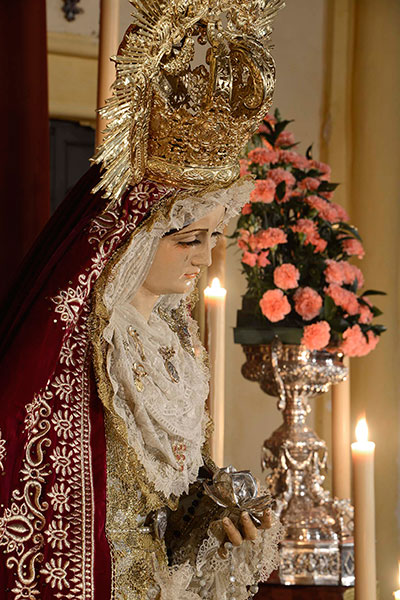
[71, 146]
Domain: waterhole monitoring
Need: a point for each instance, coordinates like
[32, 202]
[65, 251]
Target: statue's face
[181, 254]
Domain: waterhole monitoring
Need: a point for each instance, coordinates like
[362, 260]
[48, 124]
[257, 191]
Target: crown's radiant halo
[193, 80]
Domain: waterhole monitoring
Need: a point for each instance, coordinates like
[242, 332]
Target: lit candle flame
[215, 283]
[215, 290]
[362, 430]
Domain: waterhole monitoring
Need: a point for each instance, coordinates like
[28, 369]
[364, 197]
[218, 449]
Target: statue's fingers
[249, 529]
[266, 520]
[232, 532]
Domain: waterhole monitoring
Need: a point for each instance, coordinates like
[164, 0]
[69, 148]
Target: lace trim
[217, 578]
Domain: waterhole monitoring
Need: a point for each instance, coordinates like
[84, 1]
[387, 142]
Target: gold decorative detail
[138, 373]
[178, 324]
[138, 344]
[178, 449]
[167, 353]
[22, 523]
[3, 451]
[171, 121]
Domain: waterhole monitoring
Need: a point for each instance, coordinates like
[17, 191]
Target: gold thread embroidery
[3, 451]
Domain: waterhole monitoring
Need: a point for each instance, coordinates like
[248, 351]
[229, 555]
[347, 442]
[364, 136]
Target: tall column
[108, 46]
[376, 211]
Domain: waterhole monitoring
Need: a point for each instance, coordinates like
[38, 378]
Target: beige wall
[87, 22]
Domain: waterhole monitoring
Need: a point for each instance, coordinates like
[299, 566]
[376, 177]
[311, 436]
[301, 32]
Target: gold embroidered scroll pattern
[66, 564]
[3, 451]
[22, 524]
[70, 532]
[106, 232]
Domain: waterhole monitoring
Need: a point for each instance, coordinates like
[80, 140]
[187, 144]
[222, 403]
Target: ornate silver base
[318, 546]
[316, 563]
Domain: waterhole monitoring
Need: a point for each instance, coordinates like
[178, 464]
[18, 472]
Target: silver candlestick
[318, 546]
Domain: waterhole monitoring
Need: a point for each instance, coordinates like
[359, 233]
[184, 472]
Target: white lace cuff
[216, 578]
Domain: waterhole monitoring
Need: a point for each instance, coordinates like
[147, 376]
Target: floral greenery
[296, 244]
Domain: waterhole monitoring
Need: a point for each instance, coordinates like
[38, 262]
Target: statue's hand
[248, 530]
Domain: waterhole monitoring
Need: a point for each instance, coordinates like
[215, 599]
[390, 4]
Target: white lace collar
[160, 394]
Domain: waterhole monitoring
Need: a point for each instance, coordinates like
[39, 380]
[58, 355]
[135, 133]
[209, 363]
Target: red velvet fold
[52, 439]
[24, 141]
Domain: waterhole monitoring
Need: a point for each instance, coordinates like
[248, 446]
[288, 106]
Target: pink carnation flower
[243, 239]
[244, 167]
[249, 258]
[262, 259]
[351, 273]
[309, 228]
[286, 276]
[271, 120]
[308, 303]
[278, 175]
[274, 305]
[309, 183]
[343, 298]
[292, 158]
[247, 210]
[316, 336]
[353, 247]
[323, 168]
[334, 271]
[264, 191]
[263, 129]
[366, 315]
[286, 138]
[262, 156]
[343, 272]
[356, 344]
[326, 210]
[268, 238]
[342, 215]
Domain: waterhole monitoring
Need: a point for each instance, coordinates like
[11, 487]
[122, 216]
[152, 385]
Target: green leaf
[330, 308]
[373, 293]
[339, 324]
[378, 329]
[280, 126]
[309, 152]
[281, 190]
[345, 227]
[327, 186]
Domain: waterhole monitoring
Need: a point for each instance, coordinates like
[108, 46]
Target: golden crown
[194, 78]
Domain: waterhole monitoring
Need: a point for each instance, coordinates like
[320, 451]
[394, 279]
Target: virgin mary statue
[103, 428]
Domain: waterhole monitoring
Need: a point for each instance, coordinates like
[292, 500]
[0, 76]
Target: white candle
[341, 460]
[108, 46]
[396, 594]
[364, 508]
[214, 298]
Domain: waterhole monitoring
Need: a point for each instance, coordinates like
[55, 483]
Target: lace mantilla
[164, 419]
[164, 415]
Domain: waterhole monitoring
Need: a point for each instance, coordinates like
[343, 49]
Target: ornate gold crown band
[193, 80]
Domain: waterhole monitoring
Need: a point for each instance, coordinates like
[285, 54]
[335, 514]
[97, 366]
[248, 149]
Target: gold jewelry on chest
[139, 370]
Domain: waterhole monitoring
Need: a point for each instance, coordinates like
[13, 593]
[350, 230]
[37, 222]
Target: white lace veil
[166, 413]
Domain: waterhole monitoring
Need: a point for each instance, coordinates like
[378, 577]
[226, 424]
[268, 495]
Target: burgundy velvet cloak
[52, 440]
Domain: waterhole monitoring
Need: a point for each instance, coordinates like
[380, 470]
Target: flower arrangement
[296, 245]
